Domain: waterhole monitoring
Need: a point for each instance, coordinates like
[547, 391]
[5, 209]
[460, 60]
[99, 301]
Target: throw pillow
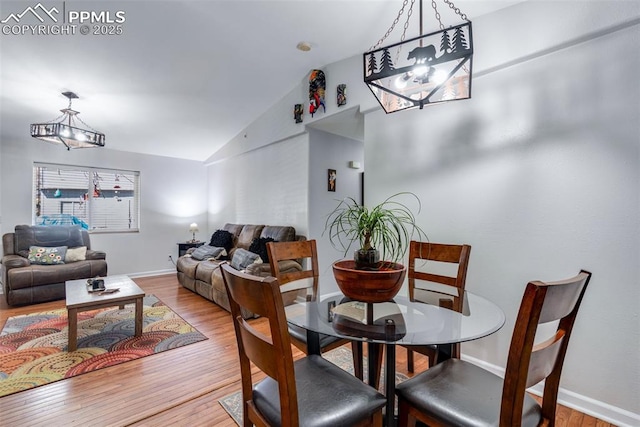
[76, 254]
[242, 258]
[259, 246]
[47, 256]
[222, 239]
[207, 251]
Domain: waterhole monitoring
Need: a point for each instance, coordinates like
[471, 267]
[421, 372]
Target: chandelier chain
[456, 10]
[57, 119]
[406, 24]
[404, 31]
[435, 9]
[395, 21]
[82, 121]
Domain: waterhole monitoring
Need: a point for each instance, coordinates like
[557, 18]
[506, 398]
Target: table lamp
[193, 228]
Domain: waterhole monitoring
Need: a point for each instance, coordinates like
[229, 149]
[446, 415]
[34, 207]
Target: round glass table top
[433, 317]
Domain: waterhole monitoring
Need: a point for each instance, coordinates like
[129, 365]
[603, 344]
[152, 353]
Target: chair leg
[374, 354]
[410, 360]
[356, 351]
[404, 418]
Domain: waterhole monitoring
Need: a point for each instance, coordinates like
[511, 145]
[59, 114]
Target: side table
[183, 247]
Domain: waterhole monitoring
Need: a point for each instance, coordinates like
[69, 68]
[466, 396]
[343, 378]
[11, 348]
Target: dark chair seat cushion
[321, 385]
[301, 335]
[462, 394]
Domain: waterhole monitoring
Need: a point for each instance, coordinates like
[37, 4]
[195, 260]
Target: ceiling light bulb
[80, 136]
[65, 132]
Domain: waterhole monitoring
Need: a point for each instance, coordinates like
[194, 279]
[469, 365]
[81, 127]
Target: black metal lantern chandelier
[428, 69]
[65, 130]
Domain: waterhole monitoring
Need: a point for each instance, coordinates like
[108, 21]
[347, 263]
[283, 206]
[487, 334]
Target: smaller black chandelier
[425, 70]
[64, 129]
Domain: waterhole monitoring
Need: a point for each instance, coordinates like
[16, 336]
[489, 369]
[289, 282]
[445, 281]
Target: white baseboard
[604, 411]
[151, 273]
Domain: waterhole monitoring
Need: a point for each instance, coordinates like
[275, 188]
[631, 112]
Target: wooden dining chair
[458, 393]
[456, 255]
[309, 391]
[280, 253]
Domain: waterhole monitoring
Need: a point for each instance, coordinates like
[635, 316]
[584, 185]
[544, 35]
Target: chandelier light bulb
[401, 81]
[439, 77]
[420, 70]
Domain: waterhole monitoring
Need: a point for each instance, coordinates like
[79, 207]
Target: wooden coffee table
[80, 299]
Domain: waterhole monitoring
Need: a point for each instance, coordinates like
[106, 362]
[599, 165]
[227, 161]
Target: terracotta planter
[369, 285]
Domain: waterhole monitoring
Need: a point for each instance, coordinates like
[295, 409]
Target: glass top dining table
[440, 316]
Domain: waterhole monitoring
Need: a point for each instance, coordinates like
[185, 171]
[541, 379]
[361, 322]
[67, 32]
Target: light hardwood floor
[179, 387]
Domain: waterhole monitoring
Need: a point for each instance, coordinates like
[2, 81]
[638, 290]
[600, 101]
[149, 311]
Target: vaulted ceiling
[185, 77]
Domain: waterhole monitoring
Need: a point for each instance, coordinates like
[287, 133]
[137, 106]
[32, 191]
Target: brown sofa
[27, 283]
[205, 277]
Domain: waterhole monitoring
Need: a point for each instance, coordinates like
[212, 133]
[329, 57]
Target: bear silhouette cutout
[423, 54]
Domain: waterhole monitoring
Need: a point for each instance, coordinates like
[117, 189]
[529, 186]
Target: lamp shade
[193, 227]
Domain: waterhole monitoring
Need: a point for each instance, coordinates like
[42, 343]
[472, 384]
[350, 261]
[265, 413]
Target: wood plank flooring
[179, 387]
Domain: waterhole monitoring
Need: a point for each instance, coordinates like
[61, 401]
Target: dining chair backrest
[280, 253]
[270, 353]
[459, 393]
[420, 275]
[528, 364]
[445, 253]
[304, 250]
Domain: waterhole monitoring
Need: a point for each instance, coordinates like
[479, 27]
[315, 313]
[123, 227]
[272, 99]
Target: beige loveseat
[205, 277]
[28, 282]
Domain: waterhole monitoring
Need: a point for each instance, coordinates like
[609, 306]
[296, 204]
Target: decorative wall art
[342, 95]
[331, 180]
[317, 89]
[297, 113]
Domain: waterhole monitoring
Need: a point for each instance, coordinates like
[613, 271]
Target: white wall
[268, 185]
[538, 171]
[329, 151]
[172, 196]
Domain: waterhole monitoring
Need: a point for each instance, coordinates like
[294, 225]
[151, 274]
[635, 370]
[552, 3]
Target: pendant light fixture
[65, 129]
[428, 69]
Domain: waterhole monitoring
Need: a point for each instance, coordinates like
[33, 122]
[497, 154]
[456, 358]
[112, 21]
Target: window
[99, 200]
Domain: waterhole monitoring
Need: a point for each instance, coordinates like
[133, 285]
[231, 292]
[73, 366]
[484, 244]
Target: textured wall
[539, 173]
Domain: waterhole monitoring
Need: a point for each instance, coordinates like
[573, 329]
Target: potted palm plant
[383, 230]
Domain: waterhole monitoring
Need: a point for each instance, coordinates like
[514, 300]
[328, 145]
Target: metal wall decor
[66, 131]
[317, 89]
[298, 110]
[341, 95]
[424, 70]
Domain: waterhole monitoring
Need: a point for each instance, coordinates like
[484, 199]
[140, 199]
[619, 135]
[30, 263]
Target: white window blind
[100, 200]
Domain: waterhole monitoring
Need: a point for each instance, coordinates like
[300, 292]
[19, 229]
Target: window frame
[91, 174]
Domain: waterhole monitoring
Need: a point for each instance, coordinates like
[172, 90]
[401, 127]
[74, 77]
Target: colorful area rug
[33, 347]
[341, 357]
